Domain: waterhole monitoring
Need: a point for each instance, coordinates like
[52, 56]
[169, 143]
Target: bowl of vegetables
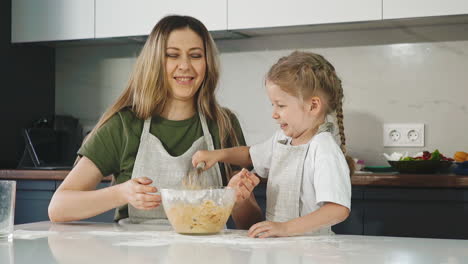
[423, 162]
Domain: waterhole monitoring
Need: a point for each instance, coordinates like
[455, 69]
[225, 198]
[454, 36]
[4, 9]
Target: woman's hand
[243, 182]
[269, 229]
[136, 192]
[210, 157]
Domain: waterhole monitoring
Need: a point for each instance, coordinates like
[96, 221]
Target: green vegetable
[435, 155]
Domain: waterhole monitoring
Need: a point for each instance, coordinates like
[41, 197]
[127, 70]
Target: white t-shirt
[325, 175]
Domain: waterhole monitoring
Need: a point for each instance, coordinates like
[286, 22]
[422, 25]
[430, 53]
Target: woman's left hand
[269, 229]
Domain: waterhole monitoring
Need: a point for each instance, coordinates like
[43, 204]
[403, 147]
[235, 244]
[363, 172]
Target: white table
[81, 242]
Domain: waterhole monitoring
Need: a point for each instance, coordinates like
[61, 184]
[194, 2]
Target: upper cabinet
[393, 9]
[118, 18]
[245, 14]
[50, 20]
[54, 20]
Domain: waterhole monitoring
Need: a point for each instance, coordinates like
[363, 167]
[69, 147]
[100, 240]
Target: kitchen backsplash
[396, 75]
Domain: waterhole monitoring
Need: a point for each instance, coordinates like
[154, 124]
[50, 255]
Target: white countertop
[82, 242]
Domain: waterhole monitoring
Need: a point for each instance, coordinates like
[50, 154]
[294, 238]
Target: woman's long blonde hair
[306, 74]
[147, 90]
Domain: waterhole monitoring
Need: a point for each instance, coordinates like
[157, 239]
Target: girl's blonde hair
[306, 74]
[147, 90]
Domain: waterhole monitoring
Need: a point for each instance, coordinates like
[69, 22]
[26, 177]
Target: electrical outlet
[403, 135]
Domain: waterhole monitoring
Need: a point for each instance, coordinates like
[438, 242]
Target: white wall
[399, 75]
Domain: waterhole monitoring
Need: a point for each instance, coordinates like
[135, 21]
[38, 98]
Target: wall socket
[403, 135]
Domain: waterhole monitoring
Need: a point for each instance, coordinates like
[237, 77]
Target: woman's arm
[77, 199]
[247, 213]
[328, 215]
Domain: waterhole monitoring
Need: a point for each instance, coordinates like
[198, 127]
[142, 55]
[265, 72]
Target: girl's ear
[315, 104]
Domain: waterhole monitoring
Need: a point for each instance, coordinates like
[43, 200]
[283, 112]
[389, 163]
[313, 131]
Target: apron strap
[204, 124]
[146, 128]
[206, 131]
[326, 127]
[209, 142]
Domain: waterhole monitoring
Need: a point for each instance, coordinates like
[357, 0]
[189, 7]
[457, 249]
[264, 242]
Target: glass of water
[7, 209]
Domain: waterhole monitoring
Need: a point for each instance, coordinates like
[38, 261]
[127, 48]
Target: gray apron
[166, 171]
[285, 181]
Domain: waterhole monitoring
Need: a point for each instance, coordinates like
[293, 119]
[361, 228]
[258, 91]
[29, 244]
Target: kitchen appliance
[51, 143]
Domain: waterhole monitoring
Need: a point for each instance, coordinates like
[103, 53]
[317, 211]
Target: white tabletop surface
[81, 242]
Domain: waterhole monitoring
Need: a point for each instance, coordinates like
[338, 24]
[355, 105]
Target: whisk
[193, 179]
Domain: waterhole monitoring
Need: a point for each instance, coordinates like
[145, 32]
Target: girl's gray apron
[166, 171]
[285, 181]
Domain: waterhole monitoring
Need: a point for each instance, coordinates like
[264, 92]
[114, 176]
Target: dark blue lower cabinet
[405, 212]
[33, 198]
[32, 207]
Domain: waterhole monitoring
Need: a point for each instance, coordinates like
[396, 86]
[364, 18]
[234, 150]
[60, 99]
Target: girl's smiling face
[290, 112]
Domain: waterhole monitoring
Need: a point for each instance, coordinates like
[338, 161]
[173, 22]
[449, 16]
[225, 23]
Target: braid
[339, 121]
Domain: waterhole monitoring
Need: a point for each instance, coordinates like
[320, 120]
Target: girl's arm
[328, 215]
[76, 198]
[237, 155]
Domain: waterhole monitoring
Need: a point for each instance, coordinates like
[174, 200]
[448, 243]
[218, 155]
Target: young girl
[309, 187]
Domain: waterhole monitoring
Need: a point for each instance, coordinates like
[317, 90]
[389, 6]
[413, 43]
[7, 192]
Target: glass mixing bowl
[198, 212]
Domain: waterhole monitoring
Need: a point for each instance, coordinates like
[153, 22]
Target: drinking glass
[7, 209]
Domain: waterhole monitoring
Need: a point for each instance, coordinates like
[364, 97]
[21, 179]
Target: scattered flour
[27, 234]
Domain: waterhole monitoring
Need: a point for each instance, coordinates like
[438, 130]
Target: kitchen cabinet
[50, 20]
[393, 9]
[407, 212]
[33, 198]
[118, 18]
[56, 20]
[247, 14]
[431, 213]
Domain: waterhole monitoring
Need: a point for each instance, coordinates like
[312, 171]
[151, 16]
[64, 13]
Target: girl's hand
[269, 229]
[135, 192]
[243, 182]
[210, 157]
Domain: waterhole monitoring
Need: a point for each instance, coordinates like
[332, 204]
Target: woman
[146, 139]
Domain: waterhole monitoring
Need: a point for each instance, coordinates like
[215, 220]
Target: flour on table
[27, 234]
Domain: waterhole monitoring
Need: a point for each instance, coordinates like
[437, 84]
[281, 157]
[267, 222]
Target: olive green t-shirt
[114, 147]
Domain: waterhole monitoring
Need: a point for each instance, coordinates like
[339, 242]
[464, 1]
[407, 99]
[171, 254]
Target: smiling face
[185, 63]
[297, 119]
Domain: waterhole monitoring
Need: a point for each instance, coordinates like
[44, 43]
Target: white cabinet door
[117, 18]
[243, 14]
[421, 8]
[47, 20]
